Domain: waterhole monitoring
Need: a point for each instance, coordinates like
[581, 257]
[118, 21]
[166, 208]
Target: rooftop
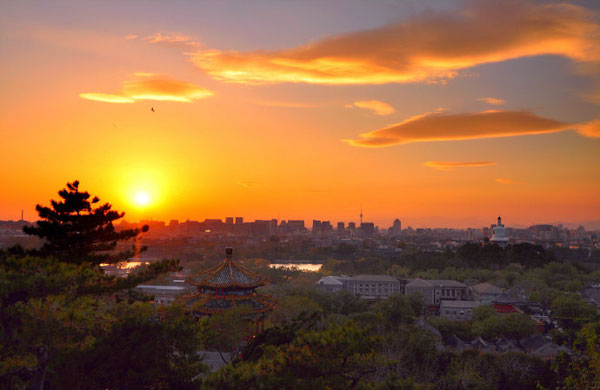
[227, 274]
[459, 304]
[486, 288]
[374, 278]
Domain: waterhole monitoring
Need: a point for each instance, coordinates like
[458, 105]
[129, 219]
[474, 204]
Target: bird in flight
[152, 109]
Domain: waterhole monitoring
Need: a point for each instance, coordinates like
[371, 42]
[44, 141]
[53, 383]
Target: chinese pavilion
[226, 286]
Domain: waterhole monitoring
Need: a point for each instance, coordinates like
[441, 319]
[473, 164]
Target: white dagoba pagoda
[499, 236]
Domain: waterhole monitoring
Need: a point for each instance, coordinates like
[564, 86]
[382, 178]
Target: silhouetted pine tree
[75, 231]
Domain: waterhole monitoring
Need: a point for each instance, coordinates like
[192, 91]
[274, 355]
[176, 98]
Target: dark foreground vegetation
[64, 324]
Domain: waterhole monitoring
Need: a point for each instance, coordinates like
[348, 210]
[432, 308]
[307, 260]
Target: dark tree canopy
[75, 230]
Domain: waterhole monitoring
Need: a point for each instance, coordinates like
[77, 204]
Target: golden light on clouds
[151, 86]
[492, 101]
[377, 107]
[590, 129]
[449, 165]
[454, 127]
[433, 46]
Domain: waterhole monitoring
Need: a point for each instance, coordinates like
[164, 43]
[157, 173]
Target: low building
[435, 291]
[370, 287]
[485, 293]
[537, 345]
[373, 287]
[505, 304]
[330, 284]
[458, 310]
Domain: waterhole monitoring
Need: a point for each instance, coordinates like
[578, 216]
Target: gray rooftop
[374, 278]
[459, 304]
[486, 288]
[418, 282]
[330, 281]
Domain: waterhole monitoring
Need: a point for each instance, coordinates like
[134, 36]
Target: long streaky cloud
[449, 165]
[454, 127]
[172, 39]
[431, 47]
[377, 107]
[492, 101]
[150, 86]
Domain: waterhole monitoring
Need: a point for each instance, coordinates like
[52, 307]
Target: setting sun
[142, 198]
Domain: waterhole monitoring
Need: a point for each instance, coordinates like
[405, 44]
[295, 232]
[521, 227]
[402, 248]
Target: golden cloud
[590, 129]
[375, 106]
[431, 47]
[151, 86]
[449, 165]
[492, 101]
[453, 127]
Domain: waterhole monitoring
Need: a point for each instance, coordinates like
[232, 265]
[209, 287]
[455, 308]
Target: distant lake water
[301, 266]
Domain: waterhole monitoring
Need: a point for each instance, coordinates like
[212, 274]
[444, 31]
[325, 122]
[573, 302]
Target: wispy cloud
[505, 181]
[172, 38]
[168, 38]
[449, 165]
[430, 47]
[151, 86]
[377, 107]
[453, 127]
[248, 184]
[492, 101]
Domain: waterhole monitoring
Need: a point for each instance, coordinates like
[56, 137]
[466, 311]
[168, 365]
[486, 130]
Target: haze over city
[436, 112]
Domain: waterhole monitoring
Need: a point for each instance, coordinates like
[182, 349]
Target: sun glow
[142, 198]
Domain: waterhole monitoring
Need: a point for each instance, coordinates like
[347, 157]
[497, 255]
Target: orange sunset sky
[440, 113]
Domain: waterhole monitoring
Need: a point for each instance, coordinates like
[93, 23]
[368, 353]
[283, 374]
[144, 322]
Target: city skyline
[440, 113]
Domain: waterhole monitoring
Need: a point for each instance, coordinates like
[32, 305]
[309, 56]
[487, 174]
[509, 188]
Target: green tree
[137, 351]
[572, 312]
[339, 357]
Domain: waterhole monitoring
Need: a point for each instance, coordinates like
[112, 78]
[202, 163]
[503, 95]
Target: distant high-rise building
[367, 228]
[397, 227]
[229, 220]
[351, 225]
[239, 220]
[316, 226]
[340, 226]
[296, 226]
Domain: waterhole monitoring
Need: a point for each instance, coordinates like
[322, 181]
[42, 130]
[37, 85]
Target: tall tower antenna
[22, 215]
[361, 214]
